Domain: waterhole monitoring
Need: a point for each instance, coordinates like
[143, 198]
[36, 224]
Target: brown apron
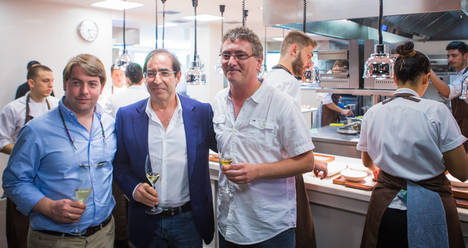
[120, 214]
[387, 188]
[460, 112]
[328, 115]
[305, 234]
[17, 224]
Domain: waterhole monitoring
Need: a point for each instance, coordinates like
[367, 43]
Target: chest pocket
[262, 133]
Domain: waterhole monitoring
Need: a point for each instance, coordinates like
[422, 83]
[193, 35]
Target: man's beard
[298, 66]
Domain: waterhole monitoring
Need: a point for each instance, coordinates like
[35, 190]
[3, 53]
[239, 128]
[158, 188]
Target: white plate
[354, 175]
[455, 182]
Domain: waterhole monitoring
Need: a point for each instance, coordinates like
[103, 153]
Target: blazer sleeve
[211, 137]
[122, 173]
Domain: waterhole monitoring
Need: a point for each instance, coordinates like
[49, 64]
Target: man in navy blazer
[175, 132]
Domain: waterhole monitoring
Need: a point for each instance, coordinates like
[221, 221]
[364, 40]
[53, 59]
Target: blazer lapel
[141, 129]
[190, 126]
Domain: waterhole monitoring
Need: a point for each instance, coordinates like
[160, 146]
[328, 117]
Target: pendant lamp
[218, 66]
[244, 13]
[379, 65]
[156, 23]
[122, 62]
[195, 75]
[164, 21]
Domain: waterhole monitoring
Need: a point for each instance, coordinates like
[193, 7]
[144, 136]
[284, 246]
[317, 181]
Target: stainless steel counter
[327, 140]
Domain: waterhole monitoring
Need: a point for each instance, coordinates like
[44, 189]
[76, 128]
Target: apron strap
[407, 96]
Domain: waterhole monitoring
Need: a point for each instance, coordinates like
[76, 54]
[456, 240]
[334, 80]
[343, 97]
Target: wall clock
[88, 30]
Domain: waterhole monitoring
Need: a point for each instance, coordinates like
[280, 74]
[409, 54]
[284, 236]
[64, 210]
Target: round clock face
[88, 30]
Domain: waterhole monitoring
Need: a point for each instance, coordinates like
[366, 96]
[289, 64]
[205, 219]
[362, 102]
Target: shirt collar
[407, 90]
[98, 110]
[257, 96]
[150, 112]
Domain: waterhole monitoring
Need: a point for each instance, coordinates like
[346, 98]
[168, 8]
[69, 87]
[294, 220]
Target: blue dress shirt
[46, 163]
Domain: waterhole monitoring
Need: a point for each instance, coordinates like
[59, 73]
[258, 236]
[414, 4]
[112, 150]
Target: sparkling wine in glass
[83, 189]
[152, 177]
[225, 158]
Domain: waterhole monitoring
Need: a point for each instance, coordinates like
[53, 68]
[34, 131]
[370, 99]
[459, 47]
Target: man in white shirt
[457, 53]
[135, 92]
[266, 136]
[12, 118]
[297, 50]
[172, 134]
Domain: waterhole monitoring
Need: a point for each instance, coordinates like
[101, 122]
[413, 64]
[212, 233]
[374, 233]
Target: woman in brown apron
[413, 141]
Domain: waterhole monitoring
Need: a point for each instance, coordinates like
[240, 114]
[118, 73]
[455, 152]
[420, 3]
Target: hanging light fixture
[218, 66]
[195, 75]
[263, 69]
[244, 13]
[124, 59]
[164, 21]
[379, 65]
[156, 23]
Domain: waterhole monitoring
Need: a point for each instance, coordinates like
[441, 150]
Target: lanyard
[68, 132]
[280, 66]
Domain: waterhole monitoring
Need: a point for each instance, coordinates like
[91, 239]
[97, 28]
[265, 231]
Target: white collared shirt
[406, 138]
[168, 152]
[13, 116]
[285, 82]
[456, 85]
[124, 97]
[269, 128]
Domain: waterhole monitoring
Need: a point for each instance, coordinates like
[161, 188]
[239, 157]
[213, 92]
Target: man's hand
[320, 166]
[66, 211]
[146, 194]
[347, 112]
[240, 173]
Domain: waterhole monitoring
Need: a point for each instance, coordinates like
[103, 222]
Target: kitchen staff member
[297, 50]
[12, 118]
[331, 110]
[457, 53]
[413, 141]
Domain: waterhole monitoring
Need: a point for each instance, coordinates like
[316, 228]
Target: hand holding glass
[152, 177]
[225, 158]
[84, 189]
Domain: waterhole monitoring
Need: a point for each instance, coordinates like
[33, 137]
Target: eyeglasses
[237, 56]
[162, 74]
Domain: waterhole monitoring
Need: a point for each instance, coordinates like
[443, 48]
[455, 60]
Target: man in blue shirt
[60, 169]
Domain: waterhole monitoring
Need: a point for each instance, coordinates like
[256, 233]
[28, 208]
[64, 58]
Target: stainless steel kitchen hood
[357, 19]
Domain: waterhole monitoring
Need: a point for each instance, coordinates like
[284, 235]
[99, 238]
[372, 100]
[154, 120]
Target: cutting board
[363, 184]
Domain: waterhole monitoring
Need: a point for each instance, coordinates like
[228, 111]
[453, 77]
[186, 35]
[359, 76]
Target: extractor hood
[353, 19]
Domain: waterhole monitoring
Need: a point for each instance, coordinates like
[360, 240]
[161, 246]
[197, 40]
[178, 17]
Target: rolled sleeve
[450, 134]
[20, 173]
[7, 127]
[294, 135]
[362, 144]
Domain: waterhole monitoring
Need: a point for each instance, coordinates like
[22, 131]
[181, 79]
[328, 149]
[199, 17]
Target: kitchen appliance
[344, 78]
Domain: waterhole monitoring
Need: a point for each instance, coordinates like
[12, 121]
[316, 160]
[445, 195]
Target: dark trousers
[393, 230]
[17, 226]
[120, 214]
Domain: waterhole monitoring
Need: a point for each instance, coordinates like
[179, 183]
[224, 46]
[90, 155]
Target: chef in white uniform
[13, 117]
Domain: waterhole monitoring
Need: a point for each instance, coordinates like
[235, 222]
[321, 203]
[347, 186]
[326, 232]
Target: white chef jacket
[456, 85]
[13, 116]
[406, 139]
[285, 82]
[269, 128]
[124, 97]
[168, 152]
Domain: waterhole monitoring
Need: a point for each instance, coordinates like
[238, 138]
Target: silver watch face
[88, 30]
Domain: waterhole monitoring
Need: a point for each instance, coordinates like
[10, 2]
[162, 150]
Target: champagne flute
[225, 158]
[84, 189]
[152, 177]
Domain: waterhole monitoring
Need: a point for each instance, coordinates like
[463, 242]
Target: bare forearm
[443, 89]
[7, 149]
[286, 168]
[367, 161]
[334, 107]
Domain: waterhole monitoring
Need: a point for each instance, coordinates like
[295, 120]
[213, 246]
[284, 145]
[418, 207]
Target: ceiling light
[116, 4]
[379, 65]
[204, 18]
[278, 38]
[195, 75]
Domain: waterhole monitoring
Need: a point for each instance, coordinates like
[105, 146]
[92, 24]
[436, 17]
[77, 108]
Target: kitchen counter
[337, 209]
[327, 140]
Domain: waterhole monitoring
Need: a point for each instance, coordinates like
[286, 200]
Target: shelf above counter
[356, 92]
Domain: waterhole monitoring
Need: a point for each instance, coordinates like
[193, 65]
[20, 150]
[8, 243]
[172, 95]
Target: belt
[169, 212]
[88, 232]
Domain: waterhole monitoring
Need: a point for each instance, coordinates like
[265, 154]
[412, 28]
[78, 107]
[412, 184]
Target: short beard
[298, 66]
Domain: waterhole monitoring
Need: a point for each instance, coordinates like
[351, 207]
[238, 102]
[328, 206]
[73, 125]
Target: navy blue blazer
[131, 127]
